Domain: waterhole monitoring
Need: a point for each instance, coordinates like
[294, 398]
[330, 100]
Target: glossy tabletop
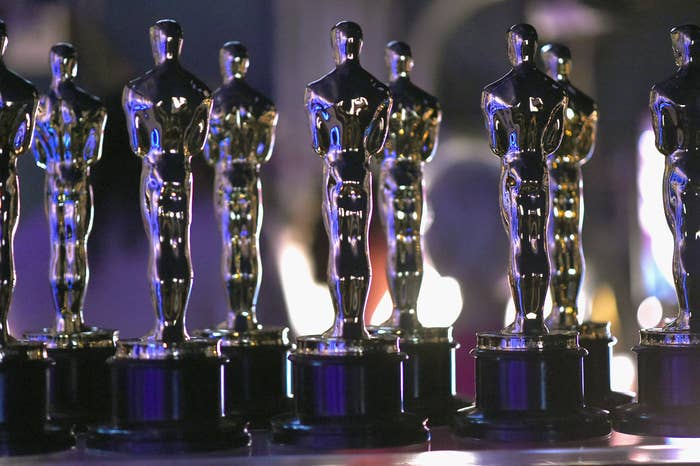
[444, 449]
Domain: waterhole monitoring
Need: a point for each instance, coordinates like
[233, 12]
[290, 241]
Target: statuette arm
[488, 110]
[211, 151]
[320, 140]
[586, 138]
[93, 146]
[42, 140]
[196, 132]
[433, 117]
[553, 132]
[664, 120]
[133, 103]
[375, 135]
[267, 123]
[24, 133]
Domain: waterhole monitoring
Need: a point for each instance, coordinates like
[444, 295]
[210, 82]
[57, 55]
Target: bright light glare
[440, 299]
[441, 458]
[311, 310]
[689, 449]
[622, 372]
[656, 236]
[383, 310]
[684, 442]
[308, 303]
[650, 312]
[439, 303]
[509, 316]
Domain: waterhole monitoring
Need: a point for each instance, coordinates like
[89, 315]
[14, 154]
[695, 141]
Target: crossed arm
[664, 119]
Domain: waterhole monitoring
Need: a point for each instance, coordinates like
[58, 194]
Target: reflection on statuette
[167, 112]
[524, 113]
[668, 358]
[566, 191]
[17, 118]
[674, 106]
[412, 140]
[348, 113]
[69, 133]
[241, 139]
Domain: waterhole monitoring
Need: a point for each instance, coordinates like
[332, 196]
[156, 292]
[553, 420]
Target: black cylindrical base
[170, 437]
[24, 428]
[531, 426]
[349, 433]
[257, 382]
[347, 385]
[596, 374]
[168, 406]
[668, 402]
[429, 380]
[51, 438]
[348, 401]
[79, 385]
[530, 395]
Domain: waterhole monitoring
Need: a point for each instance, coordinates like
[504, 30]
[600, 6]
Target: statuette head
[233, 61]
[398, 59]
[166, 41]
[522, 44]
[685, 41]
[64, 62]
[346, 40]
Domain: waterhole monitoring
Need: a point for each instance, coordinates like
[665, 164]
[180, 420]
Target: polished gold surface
[316, 345]
[556, 340]
[23, 351]
[524, 112]
[411, 142]
[167, 114]
[566, 191]
[241, 139]
[421, 334]
[152, 349]
[674, 105]
[70, 122]
[18, 106]
[596, 331]
[348, 111]
[669, 338]
[88, 337]
[269, 336]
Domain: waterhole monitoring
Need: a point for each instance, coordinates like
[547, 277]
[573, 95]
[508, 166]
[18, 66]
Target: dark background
[619, 49]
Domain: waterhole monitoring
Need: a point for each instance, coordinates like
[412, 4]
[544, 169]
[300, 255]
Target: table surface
[444, 449]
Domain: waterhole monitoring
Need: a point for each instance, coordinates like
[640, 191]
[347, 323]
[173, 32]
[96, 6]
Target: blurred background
[619, 50]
